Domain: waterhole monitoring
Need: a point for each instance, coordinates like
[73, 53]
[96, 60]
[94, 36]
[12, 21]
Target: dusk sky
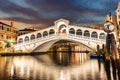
[45, 12]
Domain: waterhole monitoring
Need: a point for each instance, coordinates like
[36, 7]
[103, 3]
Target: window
[7, 37]
[119, 16]
[8, 29]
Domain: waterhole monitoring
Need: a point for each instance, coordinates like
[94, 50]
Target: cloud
[45, 12]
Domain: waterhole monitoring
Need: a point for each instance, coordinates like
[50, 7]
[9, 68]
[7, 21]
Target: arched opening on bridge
[102, 36]
[51, 32]
[94, 34]
[79, 32]
[45, 33]
[67, 45]
[32, 37]
[62, 29]
[86, 33]
[72, 31]
[26, 38]
[39, 35]
[20, 40]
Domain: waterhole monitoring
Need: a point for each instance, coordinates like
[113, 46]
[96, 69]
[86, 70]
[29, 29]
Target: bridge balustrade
[44, 38]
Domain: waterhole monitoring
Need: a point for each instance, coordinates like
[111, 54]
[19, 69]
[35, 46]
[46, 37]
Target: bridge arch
[39, 35]
[72, 31]
[26, 39]
[47, 45]
[86, 33]
[94, 34]
[45, 33]
[79, 32]
[20, 40]
[32, 37]
[52, 31]
[102, 36]
[62, 28]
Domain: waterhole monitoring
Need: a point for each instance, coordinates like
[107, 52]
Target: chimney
[11, 23]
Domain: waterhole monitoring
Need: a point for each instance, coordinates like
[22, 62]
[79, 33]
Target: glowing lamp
[108, 27]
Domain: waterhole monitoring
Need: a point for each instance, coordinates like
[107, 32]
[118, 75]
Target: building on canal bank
[8, 36]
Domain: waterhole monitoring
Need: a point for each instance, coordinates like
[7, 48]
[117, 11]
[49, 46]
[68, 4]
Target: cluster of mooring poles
[111, 54]
[110, 49]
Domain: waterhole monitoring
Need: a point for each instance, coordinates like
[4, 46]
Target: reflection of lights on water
[12, 70]
[31, 67]
[61, 75]
[60, 57]
[80, 48]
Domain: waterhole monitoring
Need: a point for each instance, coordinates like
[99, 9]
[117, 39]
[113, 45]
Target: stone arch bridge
[42, 40]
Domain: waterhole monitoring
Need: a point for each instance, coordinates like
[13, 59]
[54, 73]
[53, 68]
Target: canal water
[56, 66]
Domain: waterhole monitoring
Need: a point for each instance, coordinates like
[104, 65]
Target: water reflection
[67, 59]
[112, 68]
[59, 66]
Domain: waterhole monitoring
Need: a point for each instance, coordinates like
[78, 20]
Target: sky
[43, 13]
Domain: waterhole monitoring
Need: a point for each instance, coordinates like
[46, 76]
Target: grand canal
[55, 66]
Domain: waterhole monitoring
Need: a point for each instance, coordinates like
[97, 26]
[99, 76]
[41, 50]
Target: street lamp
[110, 40]
[108, 27]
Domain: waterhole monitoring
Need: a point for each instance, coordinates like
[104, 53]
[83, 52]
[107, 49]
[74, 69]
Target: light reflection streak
[38, 68]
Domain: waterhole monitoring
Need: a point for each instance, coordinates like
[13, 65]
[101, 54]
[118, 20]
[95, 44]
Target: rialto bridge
[42, 40]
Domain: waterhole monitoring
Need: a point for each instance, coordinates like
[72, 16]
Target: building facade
[25, 31]
[7, 36]
[118, 14]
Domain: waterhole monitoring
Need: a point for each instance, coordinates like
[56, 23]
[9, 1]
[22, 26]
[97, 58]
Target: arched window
[79, 32]
[86, 33]
[94, 34]
[72, 31]
[39, 35]
[32, 37]
[51, 31]
[26, 38]
[45, 33]
[20, 40]
[102, 36]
